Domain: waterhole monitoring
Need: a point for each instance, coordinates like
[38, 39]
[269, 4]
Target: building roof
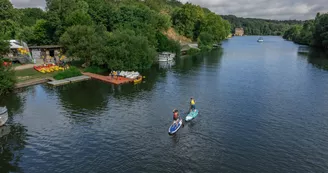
[46, 47]
[14, 44]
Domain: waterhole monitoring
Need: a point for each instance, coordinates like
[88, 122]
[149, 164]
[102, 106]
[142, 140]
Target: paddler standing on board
[192, 104]
[175, 116]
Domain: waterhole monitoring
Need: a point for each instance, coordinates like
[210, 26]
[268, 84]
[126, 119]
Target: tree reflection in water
[12, 136]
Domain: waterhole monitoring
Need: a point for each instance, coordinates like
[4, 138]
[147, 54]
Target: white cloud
[269, 9]
[29, 3]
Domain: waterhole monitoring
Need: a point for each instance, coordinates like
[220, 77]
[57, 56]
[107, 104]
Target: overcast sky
[269, 9]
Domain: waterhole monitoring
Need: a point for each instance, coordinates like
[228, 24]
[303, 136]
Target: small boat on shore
[166, 56]
[260, 39]
[3, 115]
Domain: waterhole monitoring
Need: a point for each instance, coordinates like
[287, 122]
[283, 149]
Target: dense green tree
[4, 47]
[215, 26]
[78, 17]
[83, 42]
[206, 40]
[102, 12]
[187, 20]
[306, 34]
[312, 32]
[62, 8]
[320, 35]
[40, 32]
[29, 16]
[165, 44]
[7, 10]
[292, 33]
[26, 34]
[191, 20]
[7, 78]
[126, 50]
[8, 16]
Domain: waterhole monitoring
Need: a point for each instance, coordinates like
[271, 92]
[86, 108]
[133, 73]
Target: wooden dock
[109, 79]
[69, 80]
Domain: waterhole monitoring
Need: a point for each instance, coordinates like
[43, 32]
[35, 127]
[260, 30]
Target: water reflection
[13, 136]
[166, 65]
[12, 142]
[15, 102]
[187, 63]
[316, 57]
[214, 57]
[88, 95]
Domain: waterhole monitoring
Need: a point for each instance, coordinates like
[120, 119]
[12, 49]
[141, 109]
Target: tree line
[117, 35]
[253, 26]
[312, 32]
[122, 34]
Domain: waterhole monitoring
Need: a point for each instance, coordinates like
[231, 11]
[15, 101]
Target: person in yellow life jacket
[192, 104]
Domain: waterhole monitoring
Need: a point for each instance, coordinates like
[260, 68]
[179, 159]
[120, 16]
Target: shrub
[6, 60]
[71, 72]
[95, 69]
[166, 44]
[7, 78]
[192, 51]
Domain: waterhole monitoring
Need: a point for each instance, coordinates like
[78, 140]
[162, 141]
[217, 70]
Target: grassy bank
[71, 72]
[31, 74]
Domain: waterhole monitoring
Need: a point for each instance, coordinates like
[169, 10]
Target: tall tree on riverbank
[84, 42]
[4, 46]
[8, 16]
[7, 78]
[191, 20]
[312, 32]
[74, 24]
[320, 35]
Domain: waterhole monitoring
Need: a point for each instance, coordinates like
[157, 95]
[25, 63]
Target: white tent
[15, 46]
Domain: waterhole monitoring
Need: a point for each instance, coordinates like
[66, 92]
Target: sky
[267, 9]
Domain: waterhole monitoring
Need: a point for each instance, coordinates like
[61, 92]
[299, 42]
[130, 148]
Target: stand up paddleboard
[175, 127]
[192, 115]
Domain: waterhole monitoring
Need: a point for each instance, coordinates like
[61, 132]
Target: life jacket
[192, 102]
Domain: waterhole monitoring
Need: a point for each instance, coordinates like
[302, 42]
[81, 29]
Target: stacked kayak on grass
[193, 114]
[48, 68]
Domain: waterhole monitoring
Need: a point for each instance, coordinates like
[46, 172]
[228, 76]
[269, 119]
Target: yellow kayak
[139, 79]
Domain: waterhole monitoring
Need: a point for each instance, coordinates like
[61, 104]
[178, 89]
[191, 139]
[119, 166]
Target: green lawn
[28, 74]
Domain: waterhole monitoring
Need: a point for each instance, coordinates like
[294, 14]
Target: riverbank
[31, 82]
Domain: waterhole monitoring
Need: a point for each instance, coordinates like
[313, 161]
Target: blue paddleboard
[175, 127]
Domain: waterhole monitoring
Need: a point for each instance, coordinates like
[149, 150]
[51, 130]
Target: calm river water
[263, 108]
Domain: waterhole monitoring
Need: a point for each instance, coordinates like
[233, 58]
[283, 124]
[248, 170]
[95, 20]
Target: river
[263, 108]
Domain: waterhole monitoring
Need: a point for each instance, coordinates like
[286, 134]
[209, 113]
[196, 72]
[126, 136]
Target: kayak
[192, 115]
[48, 68]
[139, 79]
[175, 127]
